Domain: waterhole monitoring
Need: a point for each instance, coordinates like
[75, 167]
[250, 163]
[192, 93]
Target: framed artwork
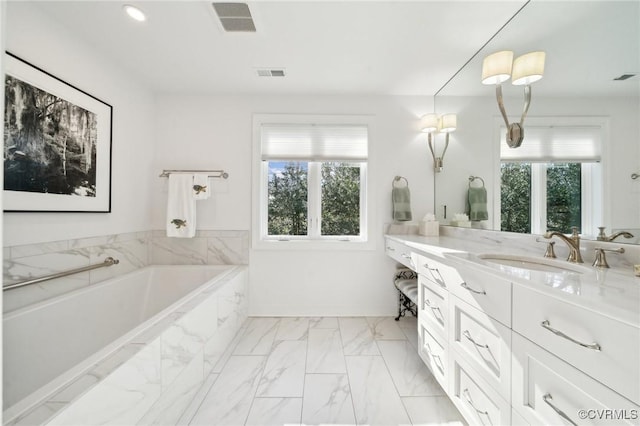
[57, 144]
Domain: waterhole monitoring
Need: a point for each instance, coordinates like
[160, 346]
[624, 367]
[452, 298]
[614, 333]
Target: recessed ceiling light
[135, 13]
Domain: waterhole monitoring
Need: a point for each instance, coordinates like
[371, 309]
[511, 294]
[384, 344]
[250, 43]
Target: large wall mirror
[584, 113]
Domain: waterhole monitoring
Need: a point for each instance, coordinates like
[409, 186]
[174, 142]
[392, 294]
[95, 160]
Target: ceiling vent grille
[235, 17]
[270, 72]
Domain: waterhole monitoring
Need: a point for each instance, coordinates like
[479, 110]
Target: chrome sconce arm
[433, 124]
[526, 69]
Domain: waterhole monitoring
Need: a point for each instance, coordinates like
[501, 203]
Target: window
[313, 181]
[553, 181]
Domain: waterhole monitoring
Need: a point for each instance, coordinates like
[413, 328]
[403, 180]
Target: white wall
[216, 131]
[472, 150]
[41, 41]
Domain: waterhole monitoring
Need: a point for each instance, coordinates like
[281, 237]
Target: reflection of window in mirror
[553, 181]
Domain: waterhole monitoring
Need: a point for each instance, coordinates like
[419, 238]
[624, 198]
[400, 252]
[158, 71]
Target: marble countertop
[613, 292]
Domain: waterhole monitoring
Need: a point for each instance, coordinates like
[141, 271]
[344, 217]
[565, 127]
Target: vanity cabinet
[506, 353]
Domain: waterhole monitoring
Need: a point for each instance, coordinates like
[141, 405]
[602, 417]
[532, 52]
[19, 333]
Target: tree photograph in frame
[57, 144]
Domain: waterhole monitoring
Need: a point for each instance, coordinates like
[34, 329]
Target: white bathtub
[59, 351]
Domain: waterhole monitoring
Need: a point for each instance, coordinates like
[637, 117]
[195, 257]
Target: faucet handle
[574, 231]
[549, 252]
[601, 259]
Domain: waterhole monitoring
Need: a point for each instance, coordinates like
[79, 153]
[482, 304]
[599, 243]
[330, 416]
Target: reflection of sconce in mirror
[524, 70]
[432, 124]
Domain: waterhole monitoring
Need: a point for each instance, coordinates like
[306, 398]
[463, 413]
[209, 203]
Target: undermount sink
[533, 263]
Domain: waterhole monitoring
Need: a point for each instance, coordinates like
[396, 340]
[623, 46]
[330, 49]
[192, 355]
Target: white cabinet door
[603, 348]
[548, 391]
[399, 252]
[433, 306]
[483, 342]
[478, 402]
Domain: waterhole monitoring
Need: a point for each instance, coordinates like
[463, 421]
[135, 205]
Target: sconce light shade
[528, 68]
[448, 123]
[496, 68]
[429, 123]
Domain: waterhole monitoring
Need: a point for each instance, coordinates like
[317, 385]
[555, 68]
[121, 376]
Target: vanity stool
[406, 282]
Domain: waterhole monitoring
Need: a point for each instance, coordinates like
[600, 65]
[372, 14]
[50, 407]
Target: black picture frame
[57, 144]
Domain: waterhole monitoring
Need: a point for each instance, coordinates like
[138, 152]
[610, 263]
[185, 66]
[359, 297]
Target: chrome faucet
[603, 237]
[573, 242]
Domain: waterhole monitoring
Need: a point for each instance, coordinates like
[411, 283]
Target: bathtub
[114, 352]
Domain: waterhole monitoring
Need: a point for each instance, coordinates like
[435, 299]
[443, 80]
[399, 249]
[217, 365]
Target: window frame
[593, 193]
[260, 237]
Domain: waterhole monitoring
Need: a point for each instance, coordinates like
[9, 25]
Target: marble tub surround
[206, 248]
[34, 260]
[318, 382]
[154, 377]
[614, 292]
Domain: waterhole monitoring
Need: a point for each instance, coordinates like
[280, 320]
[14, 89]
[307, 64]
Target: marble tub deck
[312, 371]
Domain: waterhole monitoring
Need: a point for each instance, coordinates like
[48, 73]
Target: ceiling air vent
[235, 17]
[624, 77]
[270, 72]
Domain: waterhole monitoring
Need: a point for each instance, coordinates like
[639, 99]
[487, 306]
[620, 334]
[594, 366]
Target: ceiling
[326, 47]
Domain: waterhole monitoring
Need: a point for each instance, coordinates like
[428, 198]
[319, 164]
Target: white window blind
[555, 143]
[310, 142]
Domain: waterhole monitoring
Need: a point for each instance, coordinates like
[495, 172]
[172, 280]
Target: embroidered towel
[201, 190]
[181, 207]
[477, 204]
[401, 200]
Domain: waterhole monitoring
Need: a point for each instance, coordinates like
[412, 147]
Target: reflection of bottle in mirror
[636, 270]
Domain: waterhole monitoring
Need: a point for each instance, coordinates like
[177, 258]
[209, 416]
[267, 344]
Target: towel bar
[212, 173]
[472, 178]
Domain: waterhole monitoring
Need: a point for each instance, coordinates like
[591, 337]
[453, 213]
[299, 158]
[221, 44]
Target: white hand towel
[201, 188]
[181, 207]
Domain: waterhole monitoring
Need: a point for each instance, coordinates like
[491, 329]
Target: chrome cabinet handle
[435, 357]
[437, 279]
[467, 396]
[595, 346]
[466, 287]
[408, 257]
[547, 398]
[435, 310]
[390, 248]
[468, 336]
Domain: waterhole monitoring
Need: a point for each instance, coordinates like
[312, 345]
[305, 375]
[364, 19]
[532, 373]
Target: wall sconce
[431, 124]
[524, 70]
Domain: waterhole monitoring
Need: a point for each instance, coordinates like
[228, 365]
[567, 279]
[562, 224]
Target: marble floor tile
[323, 322]
[410, 375]
[283, 374]
[227, 352]
[324, 351]
[292, 329]
[275, 412]
[385, 328]
[433, 411]
[192, 408]
[412, 336]
[327, 400]
[357, 338]
[229, 399]
[375, 400]
[258, 337]
[408, 321]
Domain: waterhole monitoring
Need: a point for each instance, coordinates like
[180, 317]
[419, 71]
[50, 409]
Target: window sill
[334, 245]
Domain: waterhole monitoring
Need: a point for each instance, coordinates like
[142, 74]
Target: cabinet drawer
[433, 352]
[487, 292]
[484, 343]
[563, 329]
[548, 391]
[478, 402]
[437, 272]
[433, 306]
[400, 253]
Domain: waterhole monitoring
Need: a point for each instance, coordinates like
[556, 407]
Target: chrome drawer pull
[466, 287]
[467, 396]
[436, 310]
[408, 257]
[468, 336]
[594, 346]
[435, 357]
[546, 398]
[437, 279]
[390, 248]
